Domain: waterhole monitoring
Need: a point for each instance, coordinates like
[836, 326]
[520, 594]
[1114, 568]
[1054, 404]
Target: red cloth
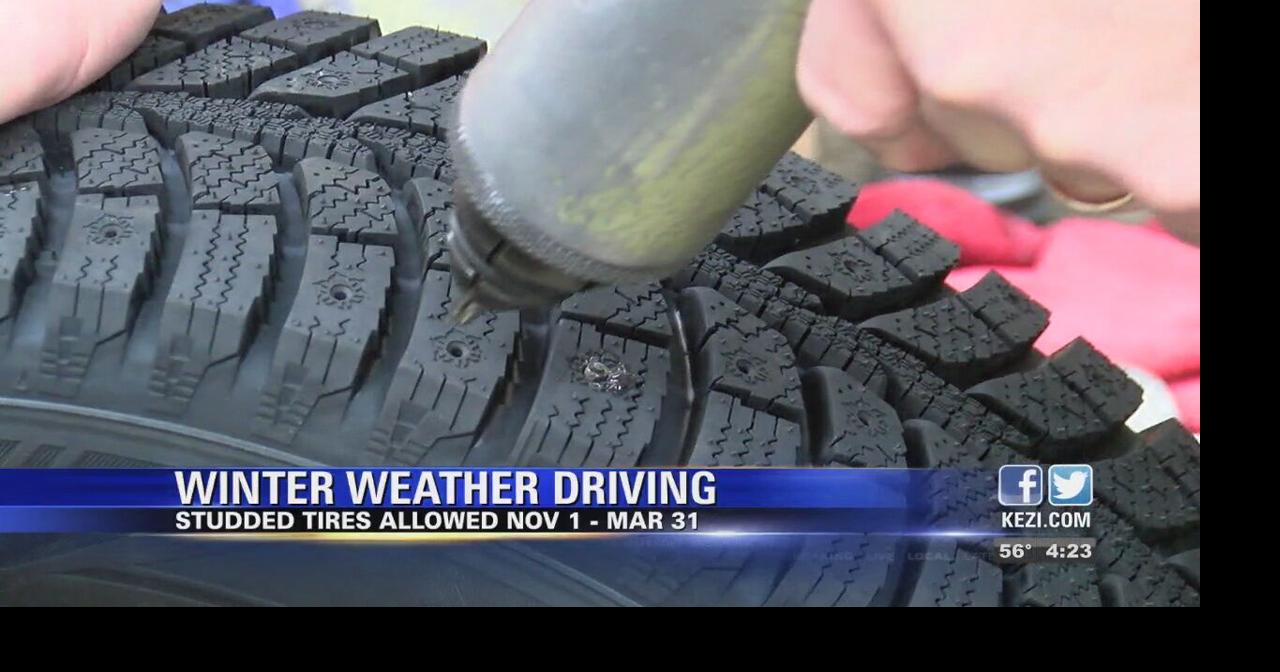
[1132, 290]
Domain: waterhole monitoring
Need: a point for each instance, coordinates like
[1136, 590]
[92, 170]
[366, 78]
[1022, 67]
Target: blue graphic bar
[462, 487]
[772, 501]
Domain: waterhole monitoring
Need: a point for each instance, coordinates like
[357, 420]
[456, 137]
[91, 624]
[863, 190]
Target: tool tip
[467, 309]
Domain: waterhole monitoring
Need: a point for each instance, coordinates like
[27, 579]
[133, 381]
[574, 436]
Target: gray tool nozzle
[608, 142]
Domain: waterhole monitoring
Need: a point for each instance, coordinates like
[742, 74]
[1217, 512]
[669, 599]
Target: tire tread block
[886, 266]
[291, 140]
[446, 384]
[1054, 585]
[117, 163]
[854, 427]
[227, 69]
[951, 576]
[335, 86]
[780, 303]
[430, 209]
[431, 109]
[283, 130]
[1076, 398]
[930, 446]
[198, 26]
[762, 228]
[762, 293]
[913, 390]
[971, 335]
[916, 392]
[735, 353]
[598, 401]
[20, 232]
[21, 154]
[103, 274]
[154, 52]
[959, 492]
[964, 499]
[351, 203]
[228, 175]
[733, 434]
[171, 115]
[848, 275]
[1103, 385]
[404, 154]
[314, 35]
[1156, 487]
[332, 333]
[91, 110]
[1132, 574]
[428, 55]
[218, 298]
[819, 197]
[637, 312]
[917, 251]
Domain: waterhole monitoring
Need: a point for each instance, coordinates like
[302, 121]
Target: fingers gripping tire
[231, 253]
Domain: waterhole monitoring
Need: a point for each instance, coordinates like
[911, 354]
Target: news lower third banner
[475, 500]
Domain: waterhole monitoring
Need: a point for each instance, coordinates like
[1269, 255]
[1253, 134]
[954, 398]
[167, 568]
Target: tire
[231, 253]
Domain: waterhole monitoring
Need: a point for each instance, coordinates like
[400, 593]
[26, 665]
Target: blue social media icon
[1021, 485]
[1071, 485]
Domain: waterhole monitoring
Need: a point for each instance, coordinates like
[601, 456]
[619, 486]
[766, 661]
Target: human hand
[53, 48]
[1102, 95]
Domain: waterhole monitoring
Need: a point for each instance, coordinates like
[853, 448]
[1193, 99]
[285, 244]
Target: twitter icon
[1071, 485]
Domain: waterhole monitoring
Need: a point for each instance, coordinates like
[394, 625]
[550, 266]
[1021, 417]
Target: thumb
[53, 48]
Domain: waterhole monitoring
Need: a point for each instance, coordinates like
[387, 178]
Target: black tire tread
[116, 163]
[351, 203]
[20, 225]
[335, 86]
[331, 334]
[598, 401]
[228, 69]
[200, 25]
[218, 296]
[450, 379]
[21, 154]
[103, 274]
[428, 55]
[228, 175]
[892, 264]
[314, 35]
[429, 110]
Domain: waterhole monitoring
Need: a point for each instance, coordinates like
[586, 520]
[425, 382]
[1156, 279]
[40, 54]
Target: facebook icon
[1021, 485]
